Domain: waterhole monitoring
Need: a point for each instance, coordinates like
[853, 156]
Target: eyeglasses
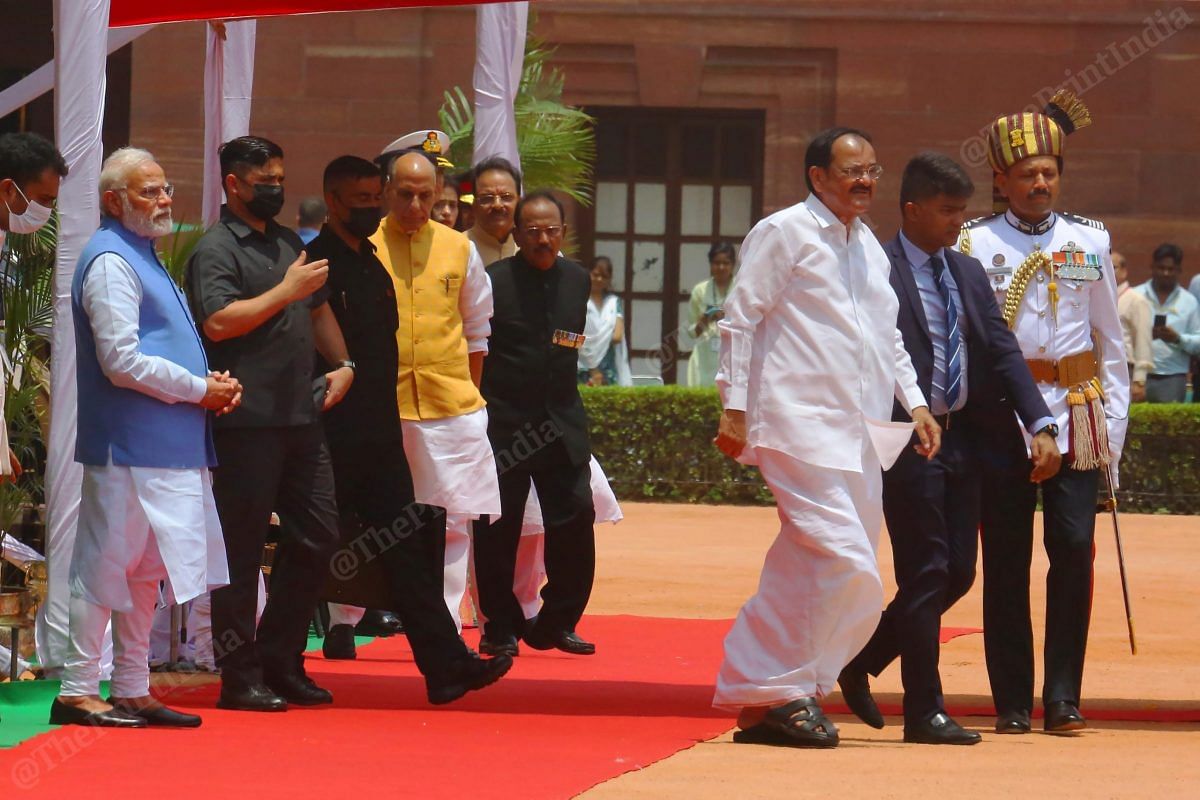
[152, 192]
[536, 233]
[858, 173]
[492, 199]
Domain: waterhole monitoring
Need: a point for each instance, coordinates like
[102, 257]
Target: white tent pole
[228, 93]
[41, 80]
[80, 50]
[499, 58]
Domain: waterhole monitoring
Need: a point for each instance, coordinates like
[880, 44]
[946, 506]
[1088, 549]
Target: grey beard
[145, 225]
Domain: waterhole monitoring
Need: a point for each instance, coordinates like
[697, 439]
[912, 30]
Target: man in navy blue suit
[971, 371]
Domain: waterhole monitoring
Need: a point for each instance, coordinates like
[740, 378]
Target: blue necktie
[953, 334]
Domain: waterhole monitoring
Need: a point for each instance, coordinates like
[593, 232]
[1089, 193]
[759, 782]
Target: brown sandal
[800, 723]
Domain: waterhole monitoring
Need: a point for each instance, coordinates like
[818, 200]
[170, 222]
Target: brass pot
[16, 606]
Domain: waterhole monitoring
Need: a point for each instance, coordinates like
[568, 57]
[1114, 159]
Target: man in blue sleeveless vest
[146, 512]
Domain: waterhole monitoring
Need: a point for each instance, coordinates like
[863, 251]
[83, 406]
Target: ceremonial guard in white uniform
[1054, 282]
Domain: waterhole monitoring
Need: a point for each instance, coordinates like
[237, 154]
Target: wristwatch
[1051, 429]
[347, 363]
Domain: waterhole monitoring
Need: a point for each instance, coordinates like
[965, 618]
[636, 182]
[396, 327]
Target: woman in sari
[603, 359]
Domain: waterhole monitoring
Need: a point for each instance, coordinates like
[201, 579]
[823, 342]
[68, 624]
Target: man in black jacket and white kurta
[538, 430]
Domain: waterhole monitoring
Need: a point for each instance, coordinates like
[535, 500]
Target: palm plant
[556, 141]
[27, 277]
[175, 255]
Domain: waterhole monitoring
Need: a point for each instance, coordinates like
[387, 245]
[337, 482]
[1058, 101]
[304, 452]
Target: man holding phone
[1176, 326]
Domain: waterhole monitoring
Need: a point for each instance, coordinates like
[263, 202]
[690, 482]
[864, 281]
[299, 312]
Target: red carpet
[947, 634]
[554, 726]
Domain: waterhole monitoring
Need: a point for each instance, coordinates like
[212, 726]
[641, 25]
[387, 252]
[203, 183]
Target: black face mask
[362, 222]
[267, 202]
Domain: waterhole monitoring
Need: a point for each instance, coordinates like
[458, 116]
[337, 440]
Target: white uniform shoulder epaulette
[964, 236]
[1094, 223]
[972, 223]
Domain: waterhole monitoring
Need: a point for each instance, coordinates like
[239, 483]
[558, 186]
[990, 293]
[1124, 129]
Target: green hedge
[656, 444]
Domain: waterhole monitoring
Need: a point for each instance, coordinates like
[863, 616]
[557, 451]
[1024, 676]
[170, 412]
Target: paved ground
[703, 561]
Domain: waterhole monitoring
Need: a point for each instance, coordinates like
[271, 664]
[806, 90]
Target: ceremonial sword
[1111, 505]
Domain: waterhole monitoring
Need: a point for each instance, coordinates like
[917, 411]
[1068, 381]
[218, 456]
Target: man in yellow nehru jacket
[445, 304]
[435, 146]
[1053, 277]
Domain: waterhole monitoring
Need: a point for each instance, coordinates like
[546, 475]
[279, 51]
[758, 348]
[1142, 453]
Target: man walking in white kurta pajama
[146, 511]
[810, 361]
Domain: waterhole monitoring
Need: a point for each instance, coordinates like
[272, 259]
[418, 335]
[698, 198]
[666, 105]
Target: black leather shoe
[250, 698]
[1063, 717]
[63, 714]
[339, 644]
[379, 623]
[297, 688]
[499, 645]
[158, 716]
[940, 729]
[467, 674]
[856, 691]
[1013, 722]
[567, 641]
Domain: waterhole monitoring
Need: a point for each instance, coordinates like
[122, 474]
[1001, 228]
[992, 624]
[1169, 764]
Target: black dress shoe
[158, 716]
[339, 644]
[1013, 722]
[466, 674]
[1063, 717]
[297, 688]
[379, 623]
[499, 645]
[940, 729]
[250, 698]
[63, 714]
[856, 691]
[567, 641]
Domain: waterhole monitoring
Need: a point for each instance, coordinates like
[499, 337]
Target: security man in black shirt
[261, 310]
[538, 430]
[374, 484]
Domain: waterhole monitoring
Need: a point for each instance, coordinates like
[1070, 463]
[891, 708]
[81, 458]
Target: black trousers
[1069, 515]
[374, 485]
[565, 494]
[287, 470]
[932, 513]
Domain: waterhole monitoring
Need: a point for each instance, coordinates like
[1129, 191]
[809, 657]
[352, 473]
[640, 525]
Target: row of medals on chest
[1070, 263]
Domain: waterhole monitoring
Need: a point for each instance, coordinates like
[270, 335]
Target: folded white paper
[889, 439]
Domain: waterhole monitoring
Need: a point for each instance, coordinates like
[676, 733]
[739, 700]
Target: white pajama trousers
[130, 634]
[457, 563]
[819, 597]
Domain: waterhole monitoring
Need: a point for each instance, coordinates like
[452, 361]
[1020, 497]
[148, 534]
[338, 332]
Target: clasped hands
[223, 394]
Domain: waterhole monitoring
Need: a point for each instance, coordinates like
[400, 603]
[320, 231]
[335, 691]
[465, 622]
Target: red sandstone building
[704, 108]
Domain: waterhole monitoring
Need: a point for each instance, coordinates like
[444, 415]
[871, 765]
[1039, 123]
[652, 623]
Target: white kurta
[809, 344]
[452, 463]
[451, 458]
[810, 351]
[603, 499]
[120, 505]
[530, 571]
